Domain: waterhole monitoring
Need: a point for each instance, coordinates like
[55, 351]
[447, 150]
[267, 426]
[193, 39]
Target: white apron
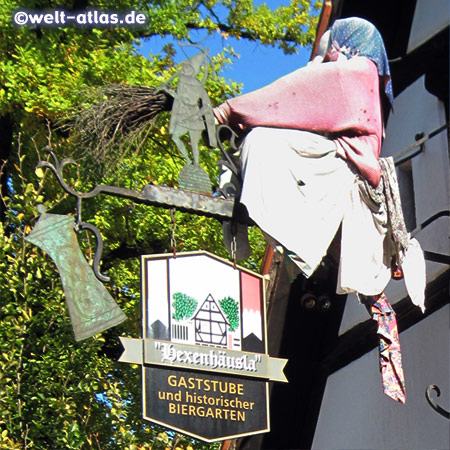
[296, 189]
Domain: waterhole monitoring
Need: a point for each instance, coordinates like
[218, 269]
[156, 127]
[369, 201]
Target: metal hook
[98, 249]
[228, 162]
[433, 404]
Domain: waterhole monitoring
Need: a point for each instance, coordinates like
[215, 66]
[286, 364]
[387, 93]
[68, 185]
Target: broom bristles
[121, 114]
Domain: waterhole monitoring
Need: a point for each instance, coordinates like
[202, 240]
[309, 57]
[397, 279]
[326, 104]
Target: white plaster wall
[354, 313]
[430, 17]
[416, 111]
[356, 414]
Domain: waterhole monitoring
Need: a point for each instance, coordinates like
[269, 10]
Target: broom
[120, 117]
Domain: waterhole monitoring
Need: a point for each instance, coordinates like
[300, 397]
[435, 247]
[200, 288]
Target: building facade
[334, 399]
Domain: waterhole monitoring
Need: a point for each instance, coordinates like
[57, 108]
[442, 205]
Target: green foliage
[55, 392]
[285, 27]
[184, 306]
[231, 309]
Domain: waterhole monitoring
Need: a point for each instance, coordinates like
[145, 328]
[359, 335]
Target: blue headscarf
[355, 36]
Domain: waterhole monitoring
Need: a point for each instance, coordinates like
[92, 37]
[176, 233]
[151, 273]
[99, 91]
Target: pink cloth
[340, 98]
[389, 349]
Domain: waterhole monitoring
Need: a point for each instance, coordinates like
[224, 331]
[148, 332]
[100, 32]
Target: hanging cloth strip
[394, 207]
[389, 349]
[399, 249]
[385, 203]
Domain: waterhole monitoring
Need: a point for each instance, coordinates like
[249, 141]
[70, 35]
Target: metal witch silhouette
[192, 113]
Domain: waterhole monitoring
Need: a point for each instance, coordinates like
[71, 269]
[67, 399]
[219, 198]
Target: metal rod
[405, 155]
[153, 195]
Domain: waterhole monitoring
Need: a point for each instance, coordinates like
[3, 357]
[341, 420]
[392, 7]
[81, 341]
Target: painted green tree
[55, 392]
[184, 306]
[230, 308]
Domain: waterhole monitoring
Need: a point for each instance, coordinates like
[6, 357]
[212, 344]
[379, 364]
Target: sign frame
[232, 362]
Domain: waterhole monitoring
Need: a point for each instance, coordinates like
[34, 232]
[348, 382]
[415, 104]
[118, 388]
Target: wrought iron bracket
[432, 402]
[417, 147]
[224, 132]
[98, 249]
[218, 207]
[153, 195]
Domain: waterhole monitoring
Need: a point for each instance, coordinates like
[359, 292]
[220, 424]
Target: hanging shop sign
[205, 366]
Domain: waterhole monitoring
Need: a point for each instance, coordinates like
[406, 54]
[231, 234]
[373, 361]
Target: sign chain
[233, 244]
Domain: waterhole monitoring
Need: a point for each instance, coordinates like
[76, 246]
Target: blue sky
[257, 65]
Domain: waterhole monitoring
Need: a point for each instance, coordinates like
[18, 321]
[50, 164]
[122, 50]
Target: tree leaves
[56, 392]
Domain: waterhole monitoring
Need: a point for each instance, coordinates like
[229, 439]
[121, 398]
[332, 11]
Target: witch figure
[311, 171]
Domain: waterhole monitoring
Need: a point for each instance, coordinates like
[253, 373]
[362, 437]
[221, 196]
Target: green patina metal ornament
[91, 307]
[192, 113]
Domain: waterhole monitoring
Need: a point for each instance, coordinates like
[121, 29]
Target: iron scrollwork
[432, 402]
